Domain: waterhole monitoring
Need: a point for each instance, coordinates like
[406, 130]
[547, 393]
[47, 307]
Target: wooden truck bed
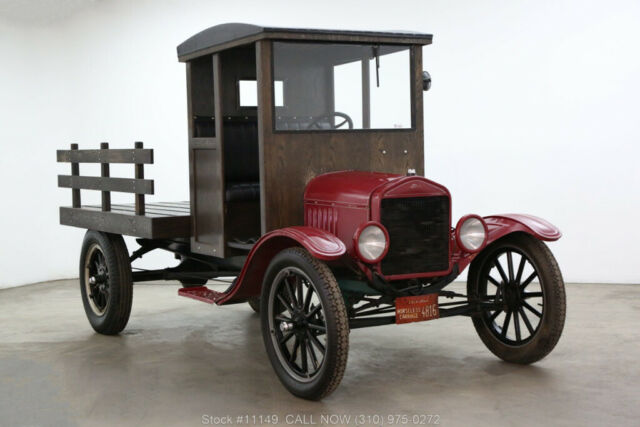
[160, 220]
[147, 220]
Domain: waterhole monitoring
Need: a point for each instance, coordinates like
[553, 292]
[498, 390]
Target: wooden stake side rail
[151, 221]
[135, 156]
[123, 185]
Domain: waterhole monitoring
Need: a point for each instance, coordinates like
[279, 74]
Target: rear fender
[319, 243]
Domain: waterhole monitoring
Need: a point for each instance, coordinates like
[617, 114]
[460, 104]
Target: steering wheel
[315, 124]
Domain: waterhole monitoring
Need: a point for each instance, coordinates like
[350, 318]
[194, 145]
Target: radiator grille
[419, 234]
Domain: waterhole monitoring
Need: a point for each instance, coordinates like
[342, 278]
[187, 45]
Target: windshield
[342, 86]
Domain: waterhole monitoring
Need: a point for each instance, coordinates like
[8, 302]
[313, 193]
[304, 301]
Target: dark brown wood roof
[224, 36]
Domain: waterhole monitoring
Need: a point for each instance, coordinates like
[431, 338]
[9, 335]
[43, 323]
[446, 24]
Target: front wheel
[519, 278]
[304, 324]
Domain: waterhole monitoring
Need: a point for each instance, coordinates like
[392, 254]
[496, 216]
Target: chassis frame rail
[456, 308]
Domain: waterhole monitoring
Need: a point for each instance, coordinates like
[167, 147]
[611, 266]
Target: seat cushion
[237, 191]
[241, 153]
[303, 123]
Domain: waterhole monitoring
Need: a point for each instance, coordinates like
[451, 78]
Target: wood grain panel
[206, 170]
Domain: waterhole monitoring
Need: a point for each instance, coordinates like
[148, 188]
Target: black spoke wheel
[509, 283]
[519, 282]
[304, 323]
[105, 282]
[96, 279]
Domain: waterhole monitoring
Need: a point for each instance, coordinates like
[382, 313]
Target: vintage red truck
[306, 160]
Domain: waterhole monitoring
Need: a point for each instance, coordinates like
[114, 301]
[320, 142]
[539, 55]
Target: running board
[201, 293]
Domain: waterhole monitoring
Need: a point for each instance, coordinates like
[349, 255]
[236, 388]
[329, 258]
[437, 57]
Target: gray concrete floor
[179, 360]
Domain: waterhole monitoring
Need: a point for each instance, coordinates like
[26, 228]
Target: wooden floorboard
[168, 208]
[150, 208]
[154, 209]
[124, 210]
[177, 204]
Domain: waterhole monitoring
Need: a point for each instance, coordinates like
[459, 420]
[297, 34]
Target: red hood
[356, 188]
[350, 187]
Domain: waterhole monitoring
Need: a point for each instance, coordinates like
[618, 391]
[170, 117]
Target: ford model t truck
[306, 158]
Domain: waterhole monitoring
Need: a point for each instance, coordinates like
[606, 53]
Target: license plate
[417, 309]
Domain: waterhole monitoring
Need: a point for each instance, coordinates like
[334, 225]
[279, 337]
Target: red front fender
[319, 243]
[501, 225]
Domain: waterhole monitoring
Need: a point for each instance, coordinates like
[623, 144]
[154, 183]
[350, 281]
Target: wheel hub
[299, 319]
[512, 297]
[97, 280]
[298, 323]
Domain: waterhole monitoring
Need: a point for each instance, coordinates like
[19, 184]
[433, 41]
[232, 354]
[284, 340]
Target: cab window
[342, 86]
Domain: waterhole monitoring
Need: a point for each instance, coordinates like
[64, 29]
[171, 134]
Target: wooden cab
[271, 108]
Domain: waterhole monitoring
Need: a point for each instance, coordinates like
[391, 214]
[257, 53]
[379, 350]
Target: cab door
[205, 155]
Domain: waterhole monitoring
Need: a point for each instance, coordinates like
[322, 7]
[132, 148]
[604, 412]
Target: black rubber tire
[548, 333]
[120, 284]
[193, 283]
[190, 265]
[254, 303]
[335, 314]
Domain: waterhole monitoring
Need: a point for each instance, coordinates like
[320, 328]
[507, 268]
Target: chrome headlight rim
[356, 241]
[461, 222]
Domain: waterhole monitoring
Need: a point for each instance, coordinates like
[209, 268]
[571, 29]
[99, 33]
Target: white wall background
[534, 108]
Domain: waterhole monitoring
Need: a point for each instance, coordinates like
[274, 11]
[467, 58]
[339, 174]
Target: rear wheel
[105, 281]
[192, 266]
[304, 324]
[254, 303]
[521, 277]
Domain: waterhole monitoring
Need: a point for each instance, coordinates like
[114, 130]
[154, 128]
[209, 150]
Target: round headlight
[472, 233]
[372, 243]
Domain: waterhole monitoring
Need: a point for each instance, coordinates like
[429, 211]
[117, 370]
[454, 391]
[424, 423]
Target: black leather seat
[241, 160]
[242, 191]
[303, 123]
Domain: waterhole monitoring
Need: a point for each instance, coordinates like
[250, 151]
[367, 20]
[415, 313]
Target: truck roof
[225, 36]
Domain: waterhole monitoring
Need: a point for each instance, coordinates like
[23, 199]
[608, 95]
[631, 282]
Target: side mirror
[426, 81]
